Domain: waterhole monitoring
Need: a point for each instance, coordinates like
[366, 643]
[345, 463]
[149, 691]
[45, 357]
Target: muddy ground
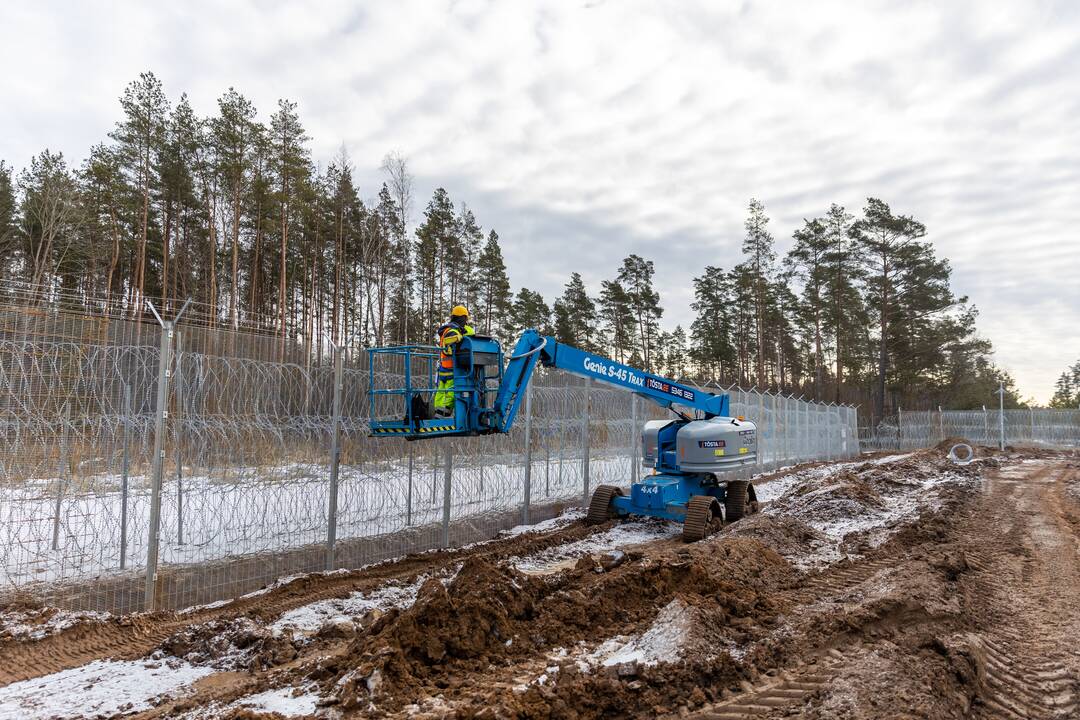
[896, 586]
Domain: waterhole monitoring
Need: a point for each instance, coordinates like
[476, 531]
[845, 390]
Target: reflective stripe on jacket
[449, 334]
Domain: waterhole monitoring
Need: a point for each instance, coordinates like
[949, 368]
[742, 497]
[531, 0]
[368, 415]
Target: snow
[769, 490]
[837, 501]
[259, 509]
[282, 701]
[634, 532]
[103, 688]
[309, 618]
[661, 643]
[568, 516]
[40, 623]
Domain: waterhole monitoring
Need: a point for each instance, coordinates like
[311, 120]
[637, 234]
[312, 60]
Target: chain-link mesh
[245, 480]
[909, 430]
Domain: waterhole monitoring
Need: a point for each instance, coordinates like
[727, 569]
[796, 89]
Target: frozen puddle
[563, 557]
[309, 618]
[103, 688]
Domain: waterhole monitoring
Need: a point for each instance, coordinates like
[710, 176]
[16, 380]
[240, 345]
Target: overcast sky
[585, 131]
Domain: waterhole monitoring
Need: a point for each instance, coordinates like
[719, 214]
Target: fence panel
[247, 456]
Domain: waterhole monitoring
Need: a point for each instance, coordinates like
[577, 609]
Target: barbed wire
[245, 477]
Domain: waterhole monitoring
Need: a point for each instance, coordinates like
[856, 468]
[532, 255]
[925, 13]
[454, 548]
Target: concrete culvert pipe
[961, 454]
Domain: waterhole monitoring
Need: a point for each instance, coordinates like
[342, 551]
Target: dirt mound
[786, 535]
[233, 644]
[475, 618]
[491, 614]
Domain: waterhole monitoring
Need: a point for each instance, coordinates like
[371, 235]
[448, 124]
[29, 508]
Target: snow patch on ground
[282, 701]
[309, 618]
[103, 688]
[567, 517]
[856, 498]
[770, 490]
[634, 532]
[662, 642]
[40, 623]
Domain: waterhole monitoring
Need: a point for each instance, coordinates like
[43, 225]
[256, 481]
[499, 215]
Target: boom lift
[690, 454]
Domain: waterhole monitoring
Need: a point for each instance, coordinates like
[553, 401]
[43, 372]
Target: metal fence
[146, 466]
[1026, 426]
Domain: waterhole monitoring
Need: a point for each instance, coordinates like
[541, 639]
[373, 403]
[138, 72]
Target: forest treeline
[233, 212]
[1067, 389]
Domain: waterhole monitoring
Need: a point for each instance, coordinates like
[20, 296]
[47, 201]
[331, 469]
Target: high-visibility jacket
[449, 335]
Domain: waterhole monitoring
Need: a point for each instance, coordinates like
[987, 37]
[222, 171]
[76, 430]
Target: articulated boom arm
[533, 347]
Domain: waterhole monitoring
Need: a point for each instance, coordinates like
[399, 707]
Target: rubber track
[695, 524]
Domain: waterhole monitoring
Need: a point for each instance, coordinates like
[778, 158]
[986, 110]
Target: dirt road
[895, 587]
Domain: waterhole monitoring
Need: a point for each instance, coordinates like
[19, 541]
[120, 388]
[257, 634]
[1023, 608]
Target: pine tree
[713, 327]
[844, 312]
[464, 286]
[575, 316]
[905, 287]
[618, 318]
[397, 265]
[102, 195]
[49, 219]
[530, 311]
[178, 196]
[1067, 389]
[677, 353]
[436, 240]
[493, 299]
[636, 276]
[807, 260]
[292, 169]
[139, 138]
[232, 139]
[760, 256]
[8, 223]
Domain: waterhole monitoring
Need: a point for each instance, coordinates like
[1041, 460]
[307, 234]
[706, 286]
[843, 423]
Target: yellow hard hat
[459, 310]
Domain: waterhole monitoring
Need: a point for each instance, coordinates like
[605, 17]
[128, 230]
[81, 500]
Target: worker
[449, 336]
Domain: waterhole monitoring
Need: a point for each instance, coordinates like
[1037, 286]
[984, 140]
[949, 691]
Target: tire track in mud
[1026, 583]
[134, 636]
[780, 690]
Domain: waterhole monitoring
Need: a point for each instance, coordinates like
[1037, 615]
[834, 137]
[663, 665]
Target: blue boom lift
[690, 454]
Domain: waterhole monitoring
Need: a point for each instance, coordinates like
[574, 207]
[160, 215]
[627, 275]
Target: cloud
[585, 132]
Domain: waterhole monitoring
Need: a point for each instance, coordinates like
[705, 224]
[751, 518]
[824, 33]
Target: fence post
[177, 437]
[335, 458]
[408, 495]
[124, 469]
[635, 460]
[528, 455]
[1032, 426]
[941, 423]
[761, 423]
[986, 426]
[585, 442]
[899, 428]
[62, 473]
[1001, 414]
[447, 473]
[161, 413]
